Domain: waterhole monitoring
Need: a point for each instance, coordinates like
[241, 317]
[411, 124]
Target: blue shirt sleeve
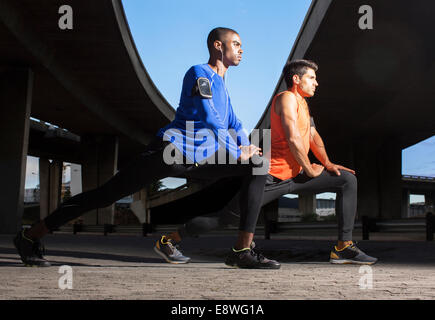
[209, 116]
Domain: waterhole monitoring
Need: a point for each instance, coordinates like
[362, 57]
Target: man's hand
[248, 152]
[316, 170]
[335, 168]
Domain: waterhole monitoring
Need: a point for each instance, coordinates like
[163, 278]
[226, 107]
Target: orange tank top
[283, 165]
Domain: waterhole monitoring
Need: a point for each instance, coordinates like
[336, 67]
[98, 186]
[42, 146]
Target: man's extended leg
[127, 181]
[344, 185]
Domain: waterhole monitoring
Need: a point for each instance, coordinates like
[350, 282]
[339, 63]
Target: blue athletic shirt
[195, 114]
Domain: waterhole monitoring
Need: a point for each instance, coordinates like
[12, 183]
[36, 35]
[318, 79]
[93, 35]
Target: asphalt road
[126, 267]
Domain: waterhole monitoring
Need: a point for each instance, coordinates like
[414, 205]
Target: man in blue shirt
[211, 116]
[207, 140]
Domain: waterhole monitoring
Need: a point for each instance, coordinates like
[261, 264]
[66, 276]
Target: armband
[203, 88]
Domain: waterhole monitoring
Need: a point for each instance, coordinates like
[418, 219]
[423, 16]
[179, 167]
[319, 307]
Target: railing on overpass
[418, 178]
[367, 226]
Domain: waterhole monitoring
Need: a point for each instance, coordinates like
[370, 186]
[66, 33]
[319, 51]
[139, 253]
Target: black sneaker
[168, 251]
[350, 255]
[231, 259]
[30, 251]
[250, 259]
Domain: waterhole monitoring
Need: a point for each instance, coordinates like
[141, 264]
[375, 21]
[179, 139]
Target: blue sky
[419, 159]
[171, 36]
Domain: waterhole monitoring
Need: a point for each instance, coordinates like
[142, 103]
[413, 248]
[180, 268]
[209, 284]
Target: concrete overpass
[375, 94]
[89, 80]
[374, 100]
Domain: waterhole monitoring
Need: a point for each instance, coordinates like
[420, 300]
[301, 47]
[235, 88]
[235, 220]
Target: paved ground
[125, 267]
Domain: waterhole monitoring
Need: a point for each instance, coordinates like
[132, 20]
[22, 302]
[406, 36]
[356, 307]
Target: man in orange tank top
[291, 171]
[293, 135]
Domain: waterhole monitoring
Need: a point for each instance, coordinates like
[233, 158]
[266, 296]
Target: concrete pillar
[379, 172]
[429, 201]
[76, 179]
[390, 180]
[405, 203]
[16, 86]
[365, 159]
[307, 203]
[140, 207]
[50, 183]
[99, 165]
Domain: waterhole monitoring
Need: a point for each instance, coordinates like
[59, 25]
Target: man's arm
[286, 108]
[234, 123]
[210, 117]
[318, 148]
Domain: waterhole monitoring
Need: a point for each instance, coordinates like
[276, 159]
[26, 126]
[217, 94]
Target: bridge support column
[429, 201]
[390, 181]
[379, 172]
[16, 86]
[99, 165]
[405, 203]
[307, 203]
[50, 177]
[367, 174]
[139, 206]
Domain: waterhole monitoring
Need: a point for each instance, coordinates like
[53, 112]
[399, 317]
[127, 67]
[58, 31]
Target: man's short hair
[298, 67]
[217, 34]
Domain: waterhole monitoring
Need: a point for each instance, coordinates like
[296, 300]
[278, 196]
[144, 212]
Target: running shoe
[350, 254]
[231, 259]
[250, 259]
[30, 251]
[168, 251]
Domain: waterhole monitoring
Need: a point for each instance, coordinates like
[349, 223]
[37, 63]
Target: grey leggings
[344, 185]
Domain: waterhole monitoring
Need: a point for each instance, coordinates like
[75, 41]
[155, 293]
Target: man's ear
[296, 79]
[218, 45]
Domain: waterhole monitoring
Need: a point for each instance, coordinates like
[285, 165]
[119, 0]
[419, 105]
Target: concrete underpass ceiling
[94, 59]
[374, 84]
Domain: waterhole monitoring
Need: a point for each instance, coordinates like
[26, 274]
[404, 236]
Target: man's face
[307, 84]
[232, 49]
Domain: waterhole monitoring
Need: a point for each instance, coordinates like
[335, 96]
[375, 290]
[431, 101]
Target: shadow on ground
[78, 255]
[212, 249]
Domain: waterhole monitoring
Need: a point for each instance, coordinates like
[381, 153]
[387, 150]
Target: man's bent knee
[260, 165]
[349, 179]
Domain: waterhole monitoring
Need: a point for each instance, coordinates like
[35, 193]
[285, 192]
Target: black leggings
[344, 185]
[149, 167]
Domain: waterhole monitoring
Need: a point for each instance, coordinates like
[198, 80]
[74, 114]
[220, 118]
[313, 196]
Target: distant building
[32, 195]
[288, 209]
[417, 210]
